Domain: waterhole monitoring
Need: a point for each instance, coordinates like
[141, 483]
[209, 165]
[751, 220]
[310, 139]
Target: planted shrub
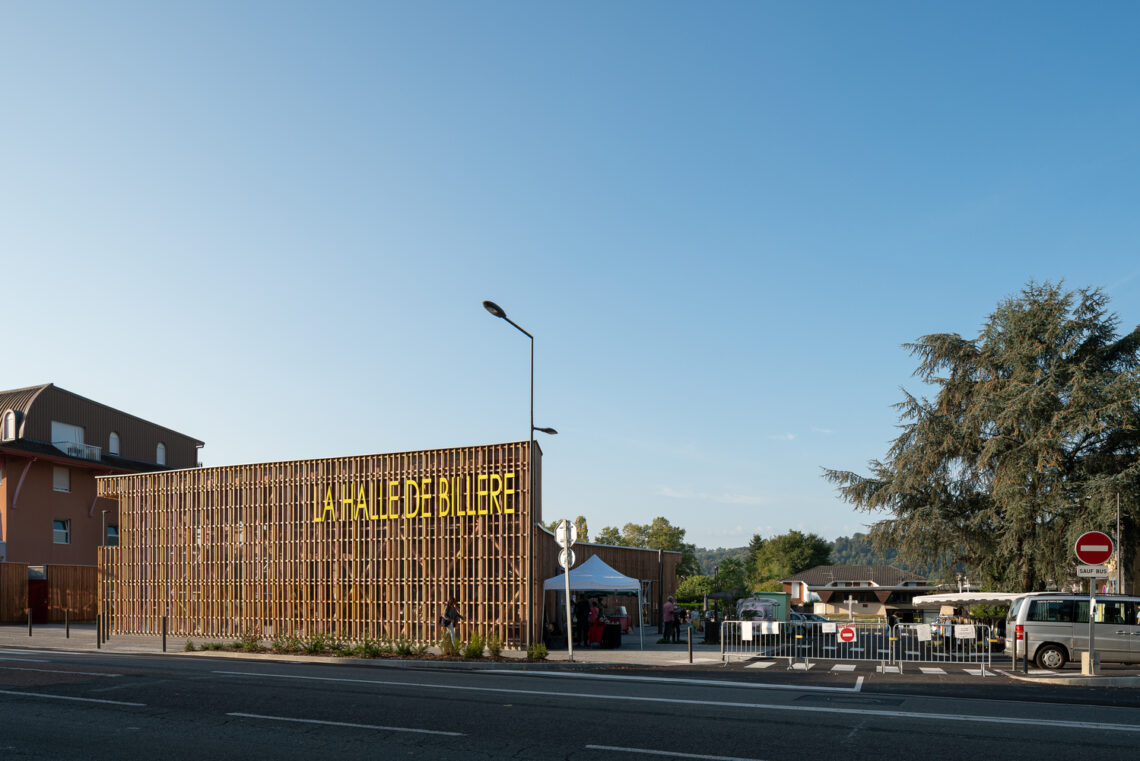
[474, 646]
[494, 645]
[536, 651]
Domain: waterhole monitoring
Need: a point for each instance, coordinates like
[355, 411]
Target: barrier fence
[801, 642]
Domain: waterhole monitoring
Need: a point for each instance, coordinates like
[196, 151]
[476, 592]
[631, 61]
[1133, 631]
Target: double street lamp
[499, 312]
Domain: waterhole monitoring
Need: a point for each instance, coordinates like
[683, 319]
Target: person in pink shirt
[669, 618]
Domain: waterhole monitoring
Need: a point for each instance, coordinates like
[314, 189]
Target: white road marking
[802, 666]
[889, 669]
[68, 697]
[666, 679]
[760, 665]
[671, 754]
[873, 712]
[56, 671]
[931, 670]
[346, 724]
[26, 660]
[843, 667]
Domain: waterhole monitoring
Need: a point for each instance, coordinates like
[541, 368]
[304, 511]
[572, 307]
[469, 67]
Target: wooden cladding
[13, 592]
[657, 573]
[72, 588]
[353, 548]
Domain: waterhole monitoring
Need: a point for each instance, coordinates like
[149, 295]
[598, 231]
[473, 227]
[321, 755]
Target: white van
[1056, 628]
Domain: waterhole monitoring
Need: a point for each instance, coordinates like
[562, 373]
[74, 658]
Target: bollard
[164, 634]
[67, 623]
[1025, 660]
[98, 633]
[29, 622]
[690, 630]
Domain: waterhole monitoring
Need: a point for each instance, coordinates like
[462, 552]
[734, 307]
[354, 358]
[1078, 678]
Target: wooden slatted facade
[72, 588]
[353, 547]
[13, 592]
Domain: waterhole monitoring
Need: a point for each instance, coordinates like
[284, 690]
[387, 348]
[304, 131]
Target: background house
[52, 445]
[863, 590]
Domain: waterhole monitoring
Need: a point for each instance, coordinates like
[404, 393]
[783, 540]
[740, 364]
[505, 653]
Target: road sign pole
[1092, 629]
[1093, 548]
[566, 540]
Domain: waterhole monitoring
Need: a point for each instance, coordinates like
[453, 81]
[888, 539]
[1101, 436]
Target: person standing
[668, 616]
[582, 613]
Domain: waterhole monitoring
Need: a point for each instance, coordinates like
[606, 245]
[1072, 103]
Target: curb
[1078, 680]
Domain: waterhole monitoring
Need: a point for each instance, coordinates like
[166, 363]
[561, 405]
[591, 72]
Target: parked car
[1055, 628]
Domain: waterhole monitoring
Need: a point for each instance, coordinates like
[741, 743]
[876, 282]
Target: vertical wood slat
[232, 551]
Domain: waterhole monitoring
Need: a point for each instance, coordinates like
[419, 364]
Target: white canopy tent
[595, 575]
[958, 599]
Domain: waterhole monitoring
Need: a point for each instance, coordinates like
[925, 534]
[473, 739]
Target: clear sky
[270, 225]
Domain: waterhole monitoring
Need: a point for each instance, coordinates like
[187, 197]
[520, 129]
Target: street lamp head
[495, 309]
[550, 431]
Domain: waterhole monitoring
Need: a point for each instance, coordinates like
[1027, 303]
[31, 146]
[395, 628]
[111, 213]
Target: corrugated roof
[883, 575]
[20, 399]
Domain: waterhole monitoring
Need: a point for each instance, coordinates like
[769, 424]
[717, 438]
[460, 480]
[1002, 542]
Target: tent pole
[640, 618]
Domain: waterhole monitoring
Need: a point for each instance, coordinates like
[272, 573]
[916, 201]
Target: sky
[271, 225]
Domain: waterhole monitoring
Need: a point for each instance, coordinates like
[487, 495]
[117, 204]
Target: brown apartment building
[53, 444]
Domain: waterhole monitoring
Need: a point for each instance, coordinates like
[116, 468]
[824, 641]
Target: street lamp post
[499, 312]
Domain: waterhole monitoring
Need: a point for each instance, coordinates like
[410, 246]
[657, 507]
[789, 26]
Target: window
[66, 433]
[112, 536]
[160, 453]
[60, 479]
[113, 443]
[8, 428]
[61, 532]
[1063, 611]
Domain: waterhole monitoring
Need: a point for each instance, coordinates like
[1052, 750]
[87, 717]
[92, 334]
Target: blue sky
[270, 225]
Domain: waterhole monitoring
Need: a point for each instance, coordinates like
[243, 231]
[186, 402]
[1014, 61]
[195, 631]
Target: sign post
[1092, 549]
[566, 535]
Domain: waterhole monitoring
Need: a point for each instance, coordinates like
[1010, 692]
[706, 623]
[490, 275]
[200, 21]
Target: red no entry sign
[847, 634]
[1094, 547]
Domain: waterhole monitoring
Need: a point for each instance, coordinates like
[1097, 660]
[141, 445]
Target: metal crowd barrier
[802, 642]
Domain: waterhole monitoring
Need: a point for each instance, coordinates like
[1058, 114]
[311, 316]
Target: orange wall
[28, 527]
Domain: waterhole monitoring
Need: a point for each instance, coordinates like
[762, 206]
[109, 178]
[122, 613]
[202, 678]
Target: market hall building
[365, 547]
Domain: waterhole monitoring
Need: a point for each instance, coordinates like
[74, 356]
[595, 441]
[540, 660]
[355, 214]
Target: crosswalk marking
[760, 665]
[802, 666]
[843, 667]
[889, 669]
[931, 670]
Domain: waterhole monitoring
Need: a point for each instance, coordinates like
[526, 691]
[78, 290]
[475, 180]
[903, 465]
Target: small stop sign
[1094, 547]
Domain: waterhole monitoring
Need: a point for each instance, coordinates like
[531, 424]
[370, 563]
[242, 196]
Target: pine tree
[1034, 429]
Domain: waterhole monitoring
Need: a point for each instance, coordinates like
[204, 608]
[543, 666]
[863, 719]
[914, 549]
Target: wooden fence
[73, 588]
[13, 592]
[356, 548]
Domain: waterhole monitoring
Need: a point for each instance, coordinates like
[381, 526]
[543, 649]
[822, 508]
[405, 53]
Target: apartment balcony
[76, 449]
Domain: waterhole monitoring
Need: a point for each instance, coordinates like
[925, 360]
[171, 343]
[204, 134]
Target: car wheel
[1050, 657]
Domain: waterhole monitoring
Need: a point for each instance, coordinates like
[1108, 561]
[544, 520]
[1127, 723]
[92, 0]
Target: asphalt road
[97, 706]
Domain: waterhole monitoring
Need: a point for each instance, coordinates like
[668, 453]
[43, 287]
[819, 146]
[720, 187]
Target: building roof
[21, 400]
[881, 575]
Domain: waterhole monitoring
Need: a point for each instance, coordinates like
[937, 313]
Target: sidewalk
[54, 637]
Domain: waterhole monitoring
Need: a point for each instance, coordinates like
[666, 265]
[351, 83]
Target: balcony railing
[76, 449]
